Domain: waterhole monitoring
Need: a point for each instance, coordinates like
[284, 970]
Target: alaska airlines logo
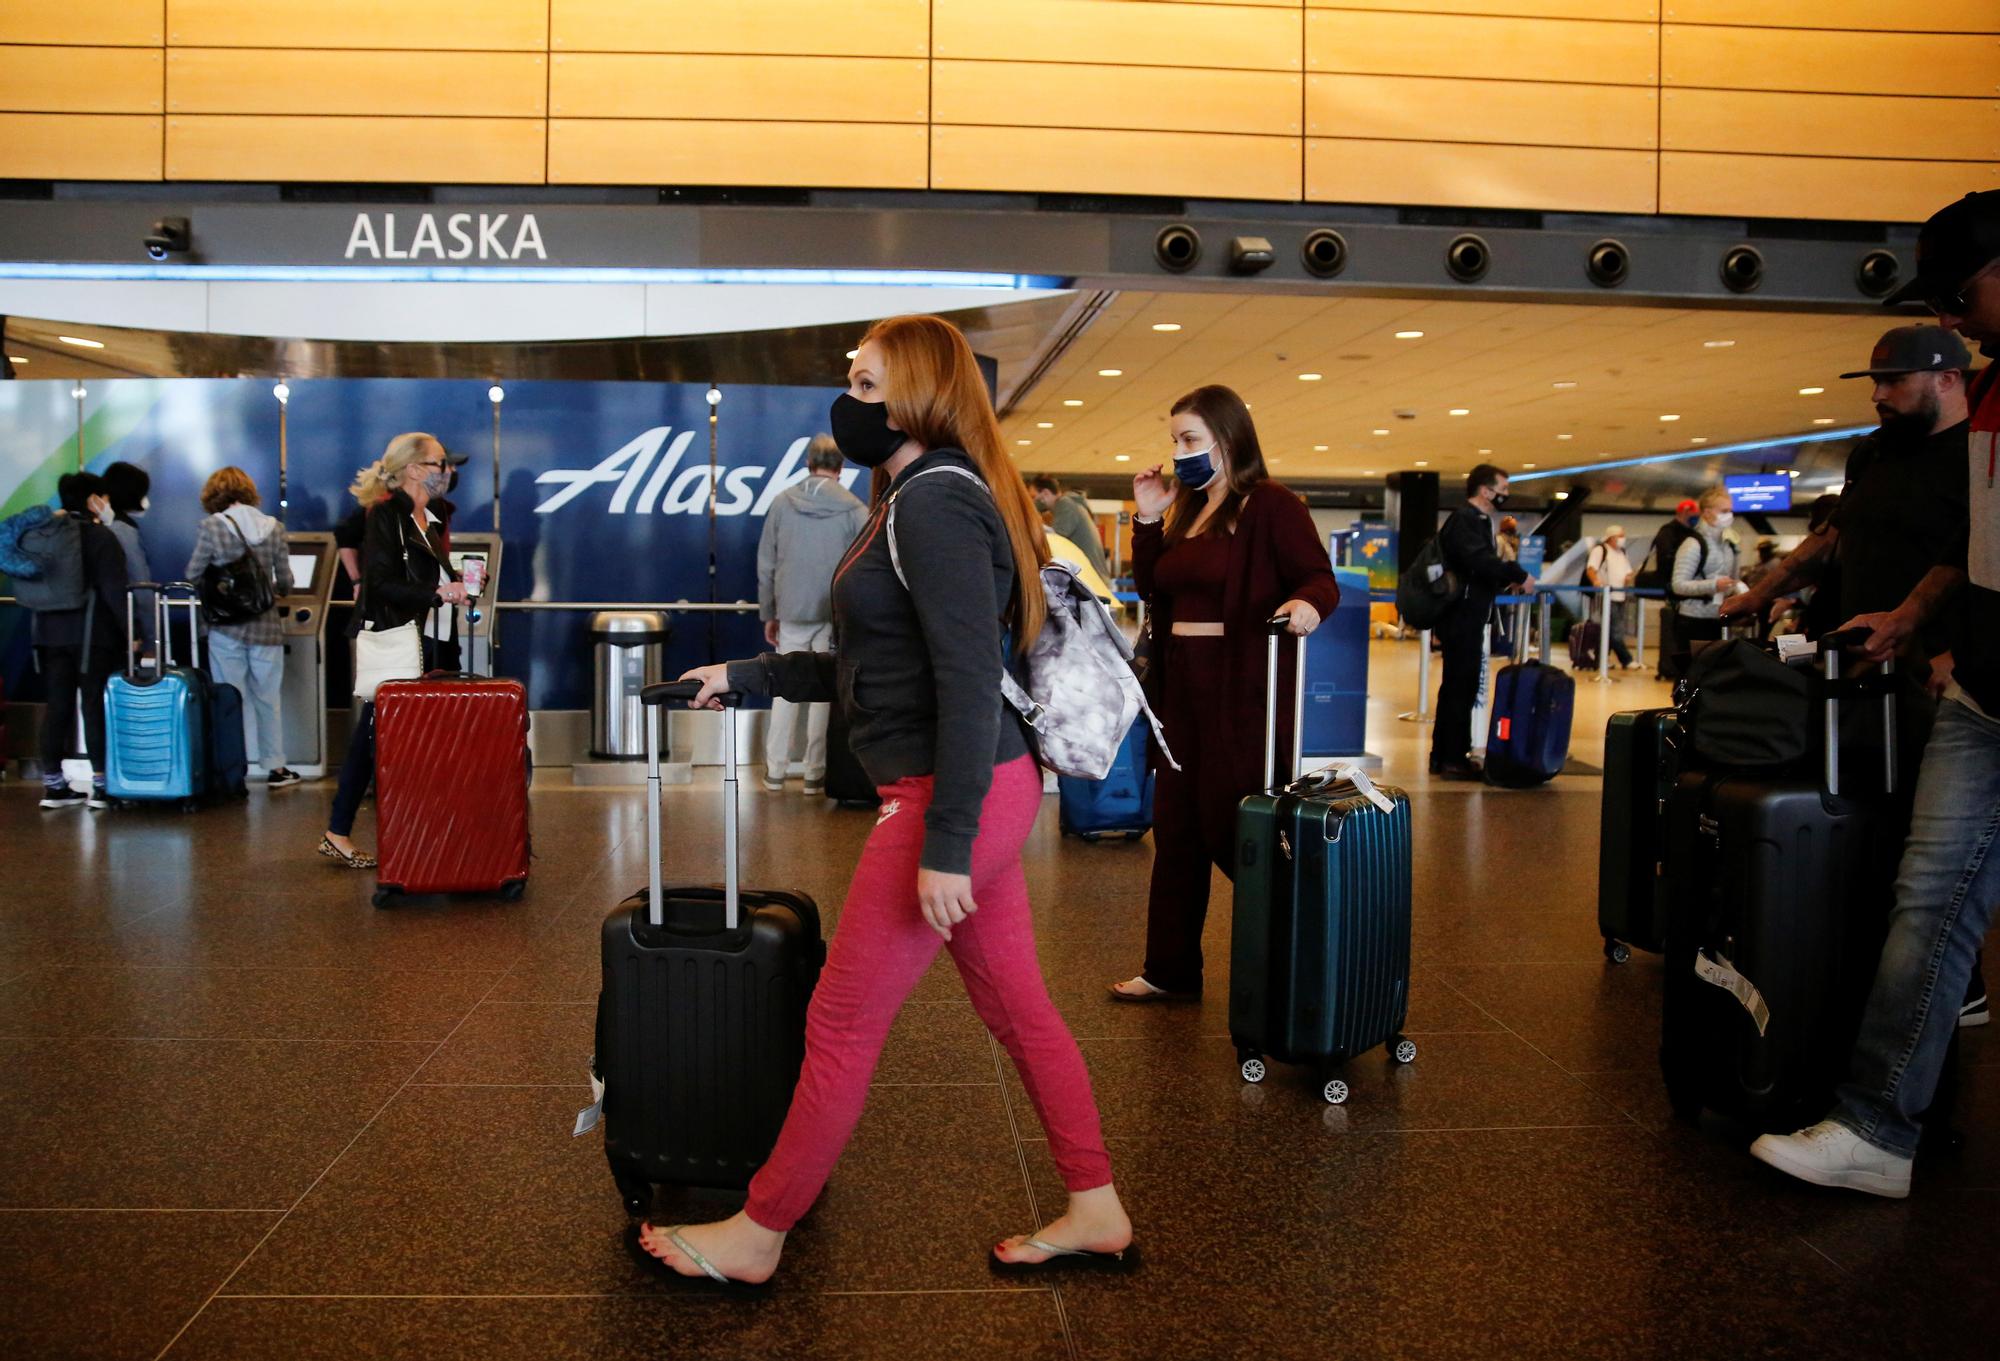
[483, 234]
[647, 483]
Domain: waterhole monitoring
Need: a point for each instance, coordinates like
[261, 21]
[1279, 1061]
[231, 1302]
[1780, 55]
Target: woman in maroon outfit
[1218, 549]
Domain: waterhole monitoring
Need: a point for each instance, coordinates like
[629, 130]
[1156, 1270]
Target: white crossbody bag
[387, 654]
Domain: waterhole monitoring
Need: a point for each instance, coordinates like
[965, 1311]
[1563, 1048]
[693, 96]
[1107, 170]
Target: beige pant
[784, 713]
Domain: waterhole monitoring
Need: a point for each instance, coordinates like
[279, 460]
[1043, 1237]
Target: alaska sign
[482, 236]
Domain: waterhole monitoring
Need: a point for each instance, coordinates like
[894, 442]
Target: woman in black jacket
[405, 574]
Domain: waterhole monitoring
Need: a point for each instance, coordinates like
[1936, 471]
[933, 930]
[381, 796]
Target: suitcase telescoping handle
[167, 595]
[1830, 648]
[1278, 626]
[132, 630]
[653, 696]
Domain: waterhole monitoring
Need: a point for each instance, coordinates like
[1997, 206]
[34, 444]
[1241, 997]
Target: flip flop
[710, 1279]
[1066, 1259]
[1152, 995]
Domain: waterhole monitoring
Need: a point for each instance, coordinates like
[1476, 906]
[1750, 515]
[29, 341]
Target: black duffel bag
[1741, 706]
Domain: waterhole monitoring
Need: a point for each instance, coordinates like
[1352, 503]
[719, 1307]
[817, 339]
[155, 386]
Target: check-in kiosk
[476, 558]
[302, 706]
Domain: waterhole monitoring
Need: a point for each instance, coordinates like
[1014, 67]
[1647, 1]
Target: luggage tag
[586, 1119]
[1364, 786]
[1720, 972]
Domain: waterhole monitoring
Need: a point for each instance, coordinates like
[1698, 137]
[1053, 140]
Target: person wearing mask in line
[1218, 549]
[808, 529]
[1948, 886]
[1656, 573]
[127, 489]
[405, 577]
[1704, 575]
[918, 675]
[77, 650]
[1069, 516]
[249, 655]
[1467, 542]
[1607, 565]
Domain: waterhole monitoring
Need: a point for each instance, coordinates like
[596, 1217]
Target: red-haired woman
[1218, 549]
[918, 677]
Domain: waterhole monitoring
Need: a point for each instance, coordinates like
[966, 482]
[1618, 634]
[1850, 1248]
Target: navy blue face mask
[1196, 471]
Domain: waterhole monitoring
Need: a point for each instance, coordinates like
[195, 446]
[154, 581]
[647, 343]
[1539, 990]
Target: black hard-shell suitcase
[701, 1021]
[1778, 890]
[1320, 949]
[1641, 761]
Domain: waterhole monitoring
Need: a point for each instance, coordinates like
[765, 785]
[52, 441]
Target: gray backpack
[53, 546]
[1081, 694]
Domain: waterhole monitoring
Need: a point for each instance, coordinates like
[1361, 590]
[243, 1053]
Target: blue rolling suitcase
[1320, 947]
[1120, 804]
[1528, 740]
[228, 762]
[155, 725]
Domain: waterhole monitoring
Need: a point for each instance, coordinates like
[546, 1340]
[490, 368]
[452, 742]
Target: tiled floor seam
[1626, 1116]
[1028, 1185]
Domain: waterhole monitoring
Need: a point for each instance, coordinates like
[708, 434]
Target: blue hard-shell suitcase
[1120, 804]
[1528, 742]
[155, 724]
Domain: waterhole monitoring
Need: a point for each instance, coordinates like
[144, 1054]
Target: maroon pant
[1194, 814]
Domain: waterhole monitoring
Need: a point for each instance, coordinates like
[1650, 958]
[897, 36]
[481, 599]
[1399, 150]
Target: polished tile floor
[245, 1114]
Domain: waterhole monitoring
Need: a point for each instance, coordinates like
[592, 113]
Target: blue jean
[1946, 891]
[257, 670]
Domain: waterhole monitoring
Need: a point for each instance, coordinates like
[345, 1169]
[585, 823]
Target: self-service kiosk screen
[302, 572]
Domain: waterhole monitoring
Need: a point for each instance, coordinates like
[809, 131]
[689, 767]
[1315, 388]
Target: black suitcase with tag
[701, 1021]
[1778, 888]
[1641, 762]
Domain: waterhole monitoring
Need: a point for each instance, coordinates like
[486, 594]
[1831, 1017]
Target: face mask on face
[861, 429]
[1725, 519]
[145, 504]
[1196, 471]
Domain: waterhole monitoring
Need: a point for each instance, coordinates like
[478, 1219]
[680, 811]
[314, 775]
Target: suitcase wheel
[1253, 1069]
[384, 897]
[637, 1195]
[1617, 951]
[511, 891]
[1404, 1050]
[1335, 1092]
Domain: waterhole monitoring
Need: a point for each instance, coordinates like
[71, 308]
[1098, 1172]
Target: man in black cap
[1949, 884]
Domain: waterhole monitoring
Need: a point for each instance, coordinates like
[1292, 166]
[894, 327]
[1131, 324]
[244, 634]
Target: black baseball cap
[456, 460]
[1915, 349]
[1960, 239]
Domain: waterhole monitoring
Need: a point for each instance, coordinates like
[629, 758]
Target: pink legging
[880, 951]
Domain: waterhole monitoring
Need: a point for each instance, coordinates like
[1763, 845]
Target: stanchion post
[1545, 609]
[1604, 639]
[1422, 713]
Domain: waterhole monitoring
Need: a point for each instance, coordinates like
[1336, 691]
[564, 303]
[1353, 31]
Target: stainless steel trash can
[629, 647]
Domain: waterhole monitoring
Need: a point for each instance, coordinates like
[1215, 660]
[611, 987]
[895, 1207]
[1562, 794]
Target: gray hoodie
[805, 533]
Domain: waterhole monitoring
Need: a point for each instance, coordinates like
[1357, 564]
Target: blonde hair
[227, 487]
[1713, 497]
[376, 481]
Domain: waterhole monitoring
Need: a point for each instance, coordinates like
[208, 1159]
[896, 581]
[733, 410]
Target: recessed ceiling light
[1822, 420]
[1369, 472]
[1791, 472]
[1699, 439]
[79, 340]
[854, 354]
[1111, 373]
[1810, 392]
[1072, 401]
[1024, 441]
[1565, 437]
[1670, 417]
[1045, 425]
[1309, 377]
[1717, 344]
[1459, 411]
[16, 359]
[1562, 496]
[1527, 465]
[1319, 448]
[1565, 384]
[1122, 458]
[1485, 451]
[1409, 335]
[1423, 463]
[1166, 326]
[1381, 432]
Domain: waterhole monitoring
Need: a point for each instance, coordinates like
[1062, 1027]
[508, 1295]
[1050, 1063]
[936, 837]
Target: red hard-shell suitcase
[451, 787]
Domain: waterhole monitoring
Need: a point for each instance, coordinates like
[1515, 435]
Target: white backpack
[1081, 694]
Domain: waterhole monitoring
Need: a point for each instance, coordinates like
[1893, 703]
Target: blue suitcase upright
[155, 724]
[1528, 742]
[228, 761]
[1120, 804]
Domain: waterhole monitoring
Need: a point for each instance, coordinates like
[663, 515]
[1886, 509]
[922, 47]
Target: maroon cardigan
[1275, 555]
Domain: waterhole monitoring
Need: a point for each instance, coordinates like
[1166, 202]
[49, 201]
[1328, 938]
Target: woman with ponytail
[916, 669]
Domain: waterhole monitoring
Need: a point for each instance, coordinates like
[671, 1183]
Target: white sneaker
[1831, 1154]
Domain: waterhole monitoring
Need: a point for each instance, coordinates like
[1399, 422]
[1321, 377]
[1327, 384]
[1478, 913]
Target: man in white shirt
[1607, 565]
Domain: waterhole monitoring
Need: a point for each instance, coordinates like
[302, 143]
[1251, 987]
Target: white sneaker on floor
[1831, 1154]
[772, 786]
[1974, 1013]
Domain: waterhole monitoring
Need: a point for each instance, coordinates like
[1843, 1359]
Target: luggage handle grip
[653, 697]
[1830, 647]
[1277, 626]
[660, 692]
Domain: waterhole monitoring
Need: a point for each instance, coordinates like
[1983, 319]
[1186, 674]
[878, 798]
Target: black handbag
[1741, 706]
[239, 591]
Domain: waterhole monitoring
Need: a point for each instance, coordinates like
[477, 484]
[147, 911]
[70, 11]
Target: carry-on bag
[701, 1023]
[1527, 739]
[847, 784]
[1641, 759]
[451, 786]
[1120, 804]
[156, 723]
[228, 761]
[1320, 952]
[1778, 890]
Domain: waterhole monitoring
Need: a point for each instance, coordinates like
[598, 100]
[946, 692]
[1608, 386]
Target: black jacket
[1467, 544]
[401, 569]
[104, 576]
[917, 671]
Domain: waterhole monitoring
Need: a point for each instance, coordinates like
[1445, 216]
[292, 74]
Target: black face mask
[861, 429]
[1499, 499]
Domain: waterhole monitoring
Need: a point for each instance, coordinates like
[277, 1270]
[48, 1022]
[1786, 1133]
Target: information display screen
[303, 565]
[1767, 492]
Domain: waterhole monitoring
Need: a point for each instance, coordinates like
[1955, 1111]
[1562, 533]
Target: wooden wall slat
[1522, 113]
[882, 28]
[79, 146]
[1121, 32]
[1815, 62]
[1142, 98]
[397, 150]
[1861, 126]
[1635, 11]
[1932, 16]
[640, 151]
[1071, 161]
[441, 25]
[1474, 176]
[80, 79]
[1366, 43]
[439, 84]
[783, 89]
[97, 23]
[1714, 184]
